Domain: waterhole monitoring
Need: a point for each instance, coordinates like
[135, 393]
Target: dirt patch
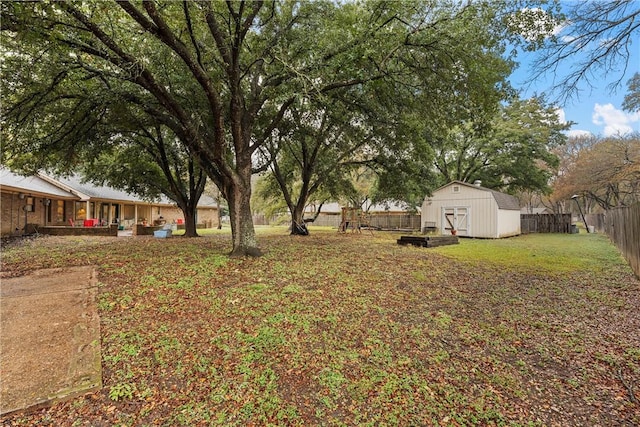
[49, 337]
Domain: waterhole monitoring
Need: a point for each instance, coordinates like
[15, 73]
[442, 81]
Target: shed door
[455, 218]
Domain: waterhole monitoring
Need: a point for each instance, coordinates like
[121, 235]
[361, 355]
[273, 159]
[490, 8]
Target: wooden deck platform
[428, 241]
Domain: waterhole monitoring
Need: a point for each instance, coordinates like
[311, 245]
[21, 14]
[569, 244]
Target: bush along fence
[622, 225]
[545, 223]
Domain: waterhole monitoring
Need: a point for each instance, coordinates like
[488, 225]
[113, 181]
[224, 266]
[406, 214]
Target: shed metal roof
[505, 201]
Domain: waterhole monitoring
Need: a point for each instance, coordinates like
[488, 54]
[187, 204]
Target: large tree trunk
[242, 231]
[218, 210]
[298, 227]
[190, 223]
[189, 212]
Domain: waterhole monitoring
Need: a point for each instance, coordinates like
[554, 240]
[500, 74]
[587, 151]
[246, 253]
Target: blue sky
[597, 109]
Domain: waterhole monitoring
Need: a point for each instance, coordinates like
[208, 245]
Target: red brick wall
[13, 214]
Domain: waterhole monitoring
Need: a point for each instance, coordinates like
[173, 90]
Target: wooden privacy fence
[395, 221]
[545, 223]
[622, 225]
[596, 221]
[381, 221]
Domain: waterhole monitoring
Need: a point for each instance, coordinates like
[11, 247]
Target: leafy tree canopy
[220, 75]
[150, 162]
[511, 152]
[632, 98]
[604, 170]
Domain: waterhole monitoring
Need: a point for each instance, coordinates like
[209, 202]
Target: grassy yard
[334, 329]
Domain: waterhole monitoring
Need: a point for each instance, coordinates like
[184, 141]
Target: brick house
[45, 201]
[31, 200]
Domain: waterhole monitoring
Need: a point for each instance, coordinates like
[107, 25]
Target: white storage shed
[471, 210]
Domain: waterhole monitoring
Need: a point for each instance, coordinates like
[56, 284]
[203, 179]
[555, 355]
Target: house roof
[88, 190]
[74, 188]
[92, 191]
[32, 184]
[505, 201]
[207, 201]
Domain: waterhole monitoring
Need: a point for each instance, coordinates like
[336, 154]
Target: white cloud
[614, 121]
[575, 133]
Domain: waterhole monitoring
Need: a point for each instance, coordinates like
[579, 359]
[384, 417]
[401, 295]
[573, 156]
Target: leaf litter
[352, 329]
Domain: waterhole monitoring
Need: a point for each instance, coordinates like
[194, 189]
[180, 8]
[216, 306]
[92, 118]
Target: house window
[58, 208]
[456, 188]
[81, 212]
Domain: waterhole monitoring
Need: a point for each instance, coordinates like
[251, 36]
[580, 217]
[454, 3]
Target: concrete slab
[125, 233]
[49, 337]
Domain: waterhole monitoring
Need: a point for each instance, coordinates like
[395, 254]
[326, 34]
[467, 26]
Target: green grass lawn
[353, 329]
[560, 253]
